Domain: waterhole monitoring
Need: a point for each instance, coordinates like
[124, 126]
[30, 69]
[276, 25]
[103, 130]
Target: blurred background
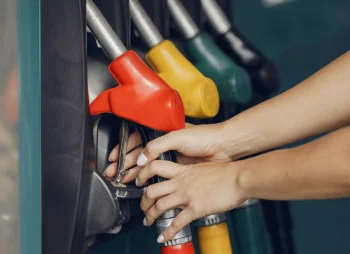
[300, 36]
[9, 208]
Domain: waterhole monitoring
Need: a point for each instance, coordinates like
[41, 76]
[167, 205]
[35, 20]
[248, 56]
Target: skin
[207, 154]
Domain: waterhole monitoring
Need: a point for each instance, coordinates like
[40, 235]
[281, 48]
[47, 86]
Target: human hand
[194, 144]
[133, 150]
[200, 190]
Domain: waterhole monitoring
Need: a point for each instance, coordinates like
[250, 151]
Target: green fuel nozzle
[232, 81]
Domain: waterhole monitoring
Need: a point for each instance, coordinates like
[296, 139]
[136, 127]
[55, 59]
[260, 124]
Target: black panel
[67, 151]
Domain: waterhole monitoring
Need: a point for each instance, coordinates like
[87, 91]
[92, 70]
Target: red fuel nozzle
[141, 97]
[186, 248]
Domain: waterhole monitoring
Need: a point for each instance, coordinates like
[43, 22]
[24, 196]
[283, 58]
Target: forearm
[317, 170]
[317, 105]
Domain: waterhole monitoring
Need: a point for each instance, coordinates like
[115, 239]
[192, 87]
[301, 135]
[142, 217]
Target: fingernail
[160, 239]
[136, 182]
[141, 160]
[144, 222]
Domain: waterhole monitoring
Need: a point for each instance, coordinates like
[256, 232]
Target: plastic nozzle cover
[198, 93]
[232, 81]
[186, 248]
[214, 239]
[141, 97]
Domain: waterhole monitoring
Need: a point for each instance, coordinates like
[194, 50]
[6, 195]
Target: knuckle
[176, 225]
[150, 216]
[149, 194]
[143, 207]
[159, 206]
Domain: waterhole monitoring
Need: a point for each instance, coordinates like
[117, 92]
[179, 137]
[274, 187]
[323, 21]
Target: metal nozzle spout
[216, 16]
[183, 19]
[103, 32]
[144, 25]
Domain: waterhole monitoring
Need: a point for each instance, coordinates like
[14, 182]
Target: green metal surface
[302, 36]
[232, 81]
[29, 126]
[248, 231]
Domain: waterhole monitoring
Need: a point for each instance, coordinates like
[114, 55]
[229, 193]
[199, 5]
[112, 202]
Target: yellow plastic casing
[214, 239]
[198, 93]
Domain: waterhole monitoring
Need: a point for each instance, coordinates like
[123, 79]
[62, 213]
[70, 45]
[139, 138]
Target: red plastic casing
[141, 97]
[186, 248]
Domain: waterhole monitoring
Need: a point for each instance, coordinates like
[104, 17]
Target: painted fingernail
[144, 222]
[160, 239]
[141, 160]
[136, 182]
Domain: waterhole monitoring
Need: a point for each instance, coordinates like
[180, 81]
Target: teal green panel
[29, 131]
[290, 24]
[302, 36]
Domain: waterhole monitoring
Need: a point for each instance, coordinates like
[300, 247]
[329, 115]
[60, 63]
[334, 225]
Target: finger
[184, 218]
[155, 192]
[131, 176]
[111, 170]
[130, 161]
[133, 142]
[166, 169]
[164, 204]
[170, 141]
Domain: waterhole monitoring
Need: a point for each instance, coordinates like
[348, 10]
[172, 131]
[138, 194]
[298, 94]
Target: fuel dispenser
[155, 105]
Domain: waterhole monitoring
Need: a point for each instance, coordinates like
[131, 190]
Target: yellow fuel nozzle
[198, 93]
[214, 239]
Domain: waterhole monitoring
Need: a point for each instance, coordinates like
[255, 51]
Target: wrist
[245, 179]
[239, 180]
[238, 139]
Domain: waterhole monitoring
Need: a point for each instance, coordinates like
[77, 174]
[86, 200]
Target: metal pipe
[216, 16]
[144, 25]
[183, 19]
[103, 32]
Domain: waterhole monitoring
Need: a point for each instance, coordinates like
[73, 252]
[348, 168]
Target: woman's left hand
[200, 190]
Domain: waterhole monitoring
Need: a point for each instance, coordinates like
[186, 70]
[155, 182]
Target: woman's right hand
[194, 144]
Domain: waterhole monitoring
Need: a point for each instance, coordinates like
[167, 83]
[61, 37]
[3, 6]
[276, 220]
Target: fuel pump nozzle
[137, 83]
[263, 72]
[232, 81]
[199, 93]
